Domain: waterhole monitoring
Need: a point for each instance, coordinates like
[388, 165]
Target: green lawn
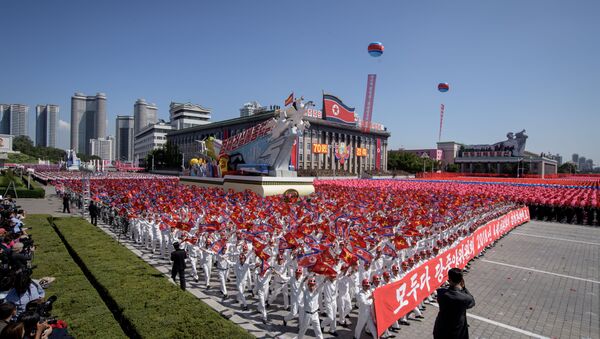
[78, 302]
[148, 301]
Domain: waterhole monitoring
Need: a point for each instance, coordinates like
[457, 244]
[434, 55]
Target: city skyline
[510, 66]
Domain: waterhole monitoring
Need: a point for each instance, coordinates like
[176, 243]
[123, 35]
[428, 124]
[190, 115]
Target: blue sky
[511, 64]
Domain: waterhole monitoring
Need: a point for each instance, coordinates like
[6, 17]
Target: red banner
[397, 299]
[294, 158]
[378, 155]
[369, 97]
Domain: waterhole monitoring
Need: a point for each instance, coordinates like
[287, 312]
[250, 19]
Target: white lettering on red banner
[393, 301]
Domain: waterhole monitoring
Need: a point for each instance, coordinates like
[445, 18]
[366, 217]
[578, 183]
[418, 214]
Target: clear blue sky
[511, 64]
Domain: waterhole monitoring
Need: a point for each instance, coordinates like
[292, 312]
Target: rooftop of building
[267, 115]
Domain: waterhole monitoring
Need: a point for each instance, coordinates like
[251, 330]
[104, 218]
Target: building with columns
[315, 149]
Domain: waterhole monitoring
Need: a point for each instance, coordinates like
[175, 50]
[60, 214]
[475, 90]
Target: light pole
[152, 155]
[424, 156]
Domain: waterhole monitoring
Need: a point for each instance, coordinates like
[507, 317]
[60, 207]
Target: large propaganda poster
[393, 301]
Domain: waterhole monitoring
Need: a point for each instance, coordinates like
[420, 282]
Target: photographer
[24, 291]
[454, 300]
[19, 259]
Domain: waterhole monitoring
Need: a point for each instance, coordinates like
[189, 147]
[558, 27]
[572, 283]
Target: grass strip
[148, 301]
[78, 302]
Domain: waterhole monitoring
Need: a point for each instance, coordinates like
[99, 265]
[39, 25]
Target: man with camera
[454, 300]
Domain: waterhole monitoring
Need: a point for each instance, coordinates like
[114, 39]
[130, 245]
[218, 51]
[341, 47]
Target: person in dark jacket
[454, 300]
[178, 258]
[66, 203]
[93, 213]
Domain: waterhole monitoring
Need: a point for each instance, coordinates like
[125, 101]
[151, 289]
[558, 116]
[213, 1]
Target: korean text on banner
[395, 300]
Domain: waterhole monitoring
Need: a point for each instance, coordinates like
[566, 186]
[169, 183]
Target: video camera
[41, 310]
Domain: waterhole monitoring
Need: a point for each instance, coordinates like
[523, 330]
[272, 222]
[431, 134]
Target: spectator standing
[93, 213]
[178, 258]
[66, 203]
[454, 300]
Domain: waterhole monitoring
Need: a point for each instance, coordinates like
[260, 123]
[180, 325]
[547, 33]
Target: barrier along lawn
[146, 300]
[78, 302]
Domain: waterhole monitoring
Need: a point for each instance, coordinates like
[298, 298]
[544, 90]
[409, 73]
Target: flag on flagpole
[289, 99]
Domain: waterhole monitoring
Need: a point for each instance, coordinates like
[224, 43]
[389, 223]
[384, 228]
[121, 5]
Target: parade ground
[542, 280]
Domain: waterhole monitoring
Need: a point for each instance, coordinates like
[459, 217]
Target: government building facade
[326, 148]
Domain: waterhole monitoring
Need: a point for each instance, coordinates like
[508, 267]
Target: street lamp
[424, 156]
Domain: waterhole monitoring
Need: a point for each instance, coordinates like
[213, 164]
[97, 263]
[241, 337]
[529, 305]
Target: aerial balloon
[443, 87]
[375, 49]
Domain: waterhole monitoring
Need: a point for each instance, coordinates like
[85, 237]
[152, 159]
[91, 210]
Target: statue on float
[266, 148]
[515, 143]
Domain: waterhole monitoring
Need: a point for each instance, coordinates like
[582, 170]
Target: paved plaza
[540, 281]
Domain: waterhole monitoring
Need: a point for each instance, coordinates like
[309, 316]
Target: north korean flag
[364, 255]
[335, 110]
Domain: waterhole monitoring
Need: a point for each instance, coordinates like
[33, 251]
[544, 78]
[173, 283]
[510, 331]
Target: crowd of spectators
[24, 310]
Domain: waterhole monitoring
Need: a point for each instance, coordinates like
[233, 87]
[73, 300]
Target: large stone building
[46, 125]
[315, 150]
[507, 157]
[186, 115]
[14, 119]
[103, 147]
[144, 114]
[150, 138]
[88, 120]
[124, 138]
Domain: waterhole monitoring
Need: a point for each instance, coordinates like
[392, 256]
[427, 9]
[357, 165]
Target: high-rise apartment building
[88, 120]
[46, 123]
[124, 137]
[188, 115]
[13, 119]
[103, 147]
[144, 114]
[250, 108]
[575, 158]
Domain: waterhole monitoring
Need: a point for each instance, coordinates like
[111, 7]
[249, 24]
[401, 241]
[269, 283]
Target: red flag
[323, 269]
[289, 100]
[264, 256]
[347, 256]
[362, 254]
[218, 246]
[400, 243]
[308, 260]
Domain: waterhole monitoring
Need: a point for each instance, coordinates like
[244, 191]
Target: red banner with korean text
[294, 158]
[395, 300]
[378, 155]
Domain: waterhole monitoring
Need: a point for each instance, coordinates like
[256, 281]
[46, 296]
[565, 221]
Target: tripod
[12, 185]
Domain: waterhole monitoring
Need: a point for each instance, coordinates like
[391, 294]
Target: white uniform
[207, 263]
[222, 266]
[280, 285]
[365, 303]
[330, 298]
[262, 283]
[311, 313]
[345, 284]
[297, 301]
[242, 272]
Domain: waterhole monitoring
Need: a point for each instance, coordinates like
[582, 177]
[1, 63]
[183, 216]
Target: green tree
[409, 162]
[23, 144]
[567, 167]
[166, 157]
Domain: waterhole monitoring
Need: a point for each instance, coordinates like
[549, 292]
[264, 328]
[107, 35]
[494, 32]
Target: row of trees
[166, 158]
[411, 163]
[23, 144]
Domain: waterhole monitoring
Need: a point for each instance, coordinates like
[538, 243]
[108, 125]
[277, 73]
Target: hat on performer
[376, 278]
[386, 274]
[299, 270]
[395, 268]
[366, 282]
[312, 282]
